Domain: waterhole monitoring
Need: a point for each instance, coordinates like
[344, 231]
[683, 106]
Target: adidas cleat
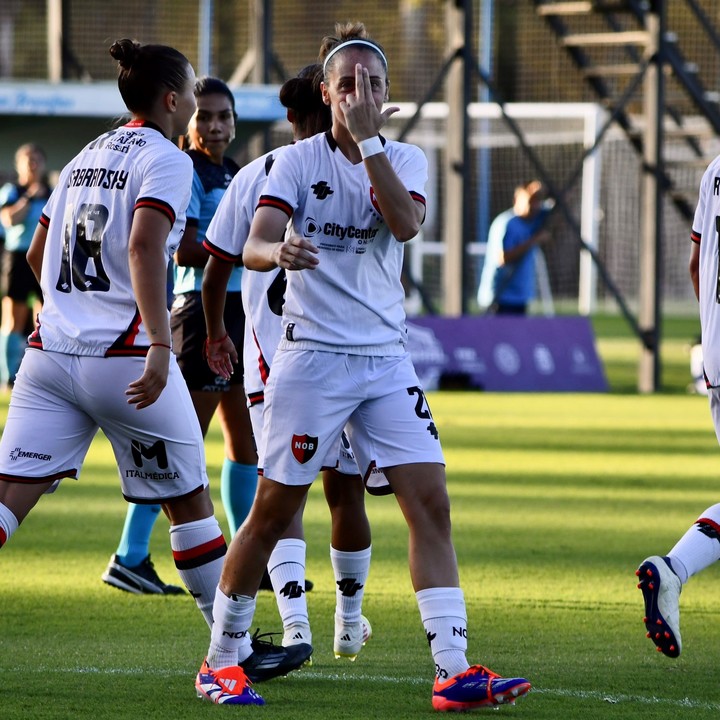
[269, 660]
[350, 639]
[140, 579]
[661, 589]
[226, 686]
[477, 687]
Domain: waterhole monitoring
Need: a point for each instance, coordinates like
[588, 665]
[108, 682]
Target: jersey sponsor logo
[20, 453]
[322, 190]
[304, 447]
[144, 475]
[349, 232]
[155, 452]
[98, 177]
[312, 227]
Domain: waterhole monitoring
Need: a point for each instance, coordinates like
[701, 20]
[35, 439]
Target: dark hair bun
[125, 51]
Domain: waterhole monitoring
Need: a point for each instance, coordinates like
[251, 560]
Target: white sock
[199, 550]
[286, 568]
[8, 524]
[351, 571]
[443, 614]
[230, 641]
[699, 547]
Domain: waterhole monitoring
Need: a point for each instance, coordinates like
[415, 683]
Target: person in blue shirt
[507, 284]
[21, 205]
[210, 133]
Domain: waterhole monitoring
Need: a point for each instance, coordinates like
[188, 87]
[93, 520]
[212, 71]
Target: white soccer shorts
[312, 395]
[59, 402]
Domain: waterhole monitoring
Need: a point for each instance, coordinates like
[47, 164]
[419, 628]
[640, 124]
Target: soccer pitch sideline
[556, 499]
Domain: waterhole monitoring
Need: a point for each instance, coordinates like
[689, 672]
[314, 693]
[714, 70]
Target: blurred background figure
[21, 205]
[507, 283]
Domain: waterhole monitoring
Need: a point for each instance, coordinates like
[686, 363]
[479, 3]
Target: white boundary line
[307, 674]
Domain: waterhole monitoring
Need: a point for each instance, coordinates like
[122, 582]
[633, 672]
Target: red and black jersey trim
[275, 202]
[201, 554]
[35, 341]
[256, 398]
[263, 365]
[44, 221]
[695, 237]
[155, 204]
[124, 346]
[418, 197]
[138, 122]
[219, 253]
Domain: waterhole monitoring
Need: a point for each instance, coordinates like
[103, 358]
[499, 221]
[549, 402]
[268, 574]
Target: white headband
[347, 43]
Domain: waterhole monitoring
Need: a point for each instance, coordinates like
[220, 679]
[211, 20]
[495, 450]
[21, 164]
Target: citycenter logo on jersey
[360, 237]
[20, 453]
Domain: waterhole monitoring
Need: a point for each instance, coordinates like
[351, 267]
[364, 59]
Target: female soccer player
[353, 199]
[263, 295]
[21, 204]
[210, 132]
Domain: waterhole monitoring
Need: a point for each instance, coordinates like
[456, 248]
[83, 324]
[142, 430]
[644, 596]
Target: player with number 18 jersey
[89, 304]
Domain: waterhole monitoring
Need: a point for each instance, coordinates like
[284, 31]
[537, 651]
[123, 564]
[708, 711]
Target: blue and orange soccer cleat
[477, 687]
[661, 589]
[226, 686]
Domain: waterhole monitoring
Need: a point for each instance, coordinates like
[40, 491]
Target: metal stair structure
[636, 68]
[610, 44]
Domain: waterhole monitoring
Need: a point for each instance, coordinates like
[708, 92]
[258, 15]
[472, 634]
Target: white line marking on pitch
[390, 680]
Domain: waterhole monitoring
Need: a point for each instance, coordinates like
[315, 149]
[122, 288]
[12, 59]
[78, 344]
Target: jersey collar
[139, 122]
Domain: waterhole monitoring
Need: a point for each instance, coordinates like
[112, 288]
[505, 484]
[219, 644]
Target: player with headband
[353, 198]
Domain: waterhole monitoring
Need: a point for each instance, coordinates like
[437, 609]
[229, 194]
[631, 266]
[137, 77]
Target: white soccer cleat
[661, 589]
[298, 634]
[349, 639]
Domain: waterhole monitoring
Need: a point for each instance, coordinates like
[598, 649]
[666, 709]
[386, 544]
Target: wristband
[159, 344]
[370, 146]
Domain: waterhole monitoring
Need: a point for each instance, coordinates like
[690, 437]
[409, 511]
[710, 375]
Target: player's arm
[265, 249]
[695, 268]
[190, 252]
[35, 252]
[402, 214]
[220, 350]
[148, 274]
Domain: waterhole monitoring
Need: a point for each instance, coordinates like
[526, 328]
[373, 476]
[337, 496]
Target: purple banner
[524, 354]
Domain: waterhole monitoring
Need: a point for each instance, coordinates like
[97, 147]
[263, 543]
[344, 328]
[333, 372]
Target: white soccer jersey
[705, 231]
[353, 300]
[262, 292]
[89, 304]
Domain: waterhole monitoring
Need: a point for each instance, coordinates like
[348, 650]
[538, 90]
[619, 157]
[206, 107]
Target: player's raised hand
[361, 108]
[296, 253]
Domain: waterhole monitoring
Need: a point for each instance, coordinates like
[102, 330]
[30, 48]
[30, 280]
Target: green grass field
[556, 499]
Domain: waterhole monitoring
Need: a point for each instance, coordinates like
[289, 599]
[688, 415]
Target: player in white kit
[263, 297]
[353, 198]
[661, 578]
[101, 355]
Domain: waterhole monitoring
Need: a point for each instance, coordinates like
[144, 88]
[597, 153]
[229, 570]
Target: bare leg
[422, 495]
[346, 499]
[274, 507]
